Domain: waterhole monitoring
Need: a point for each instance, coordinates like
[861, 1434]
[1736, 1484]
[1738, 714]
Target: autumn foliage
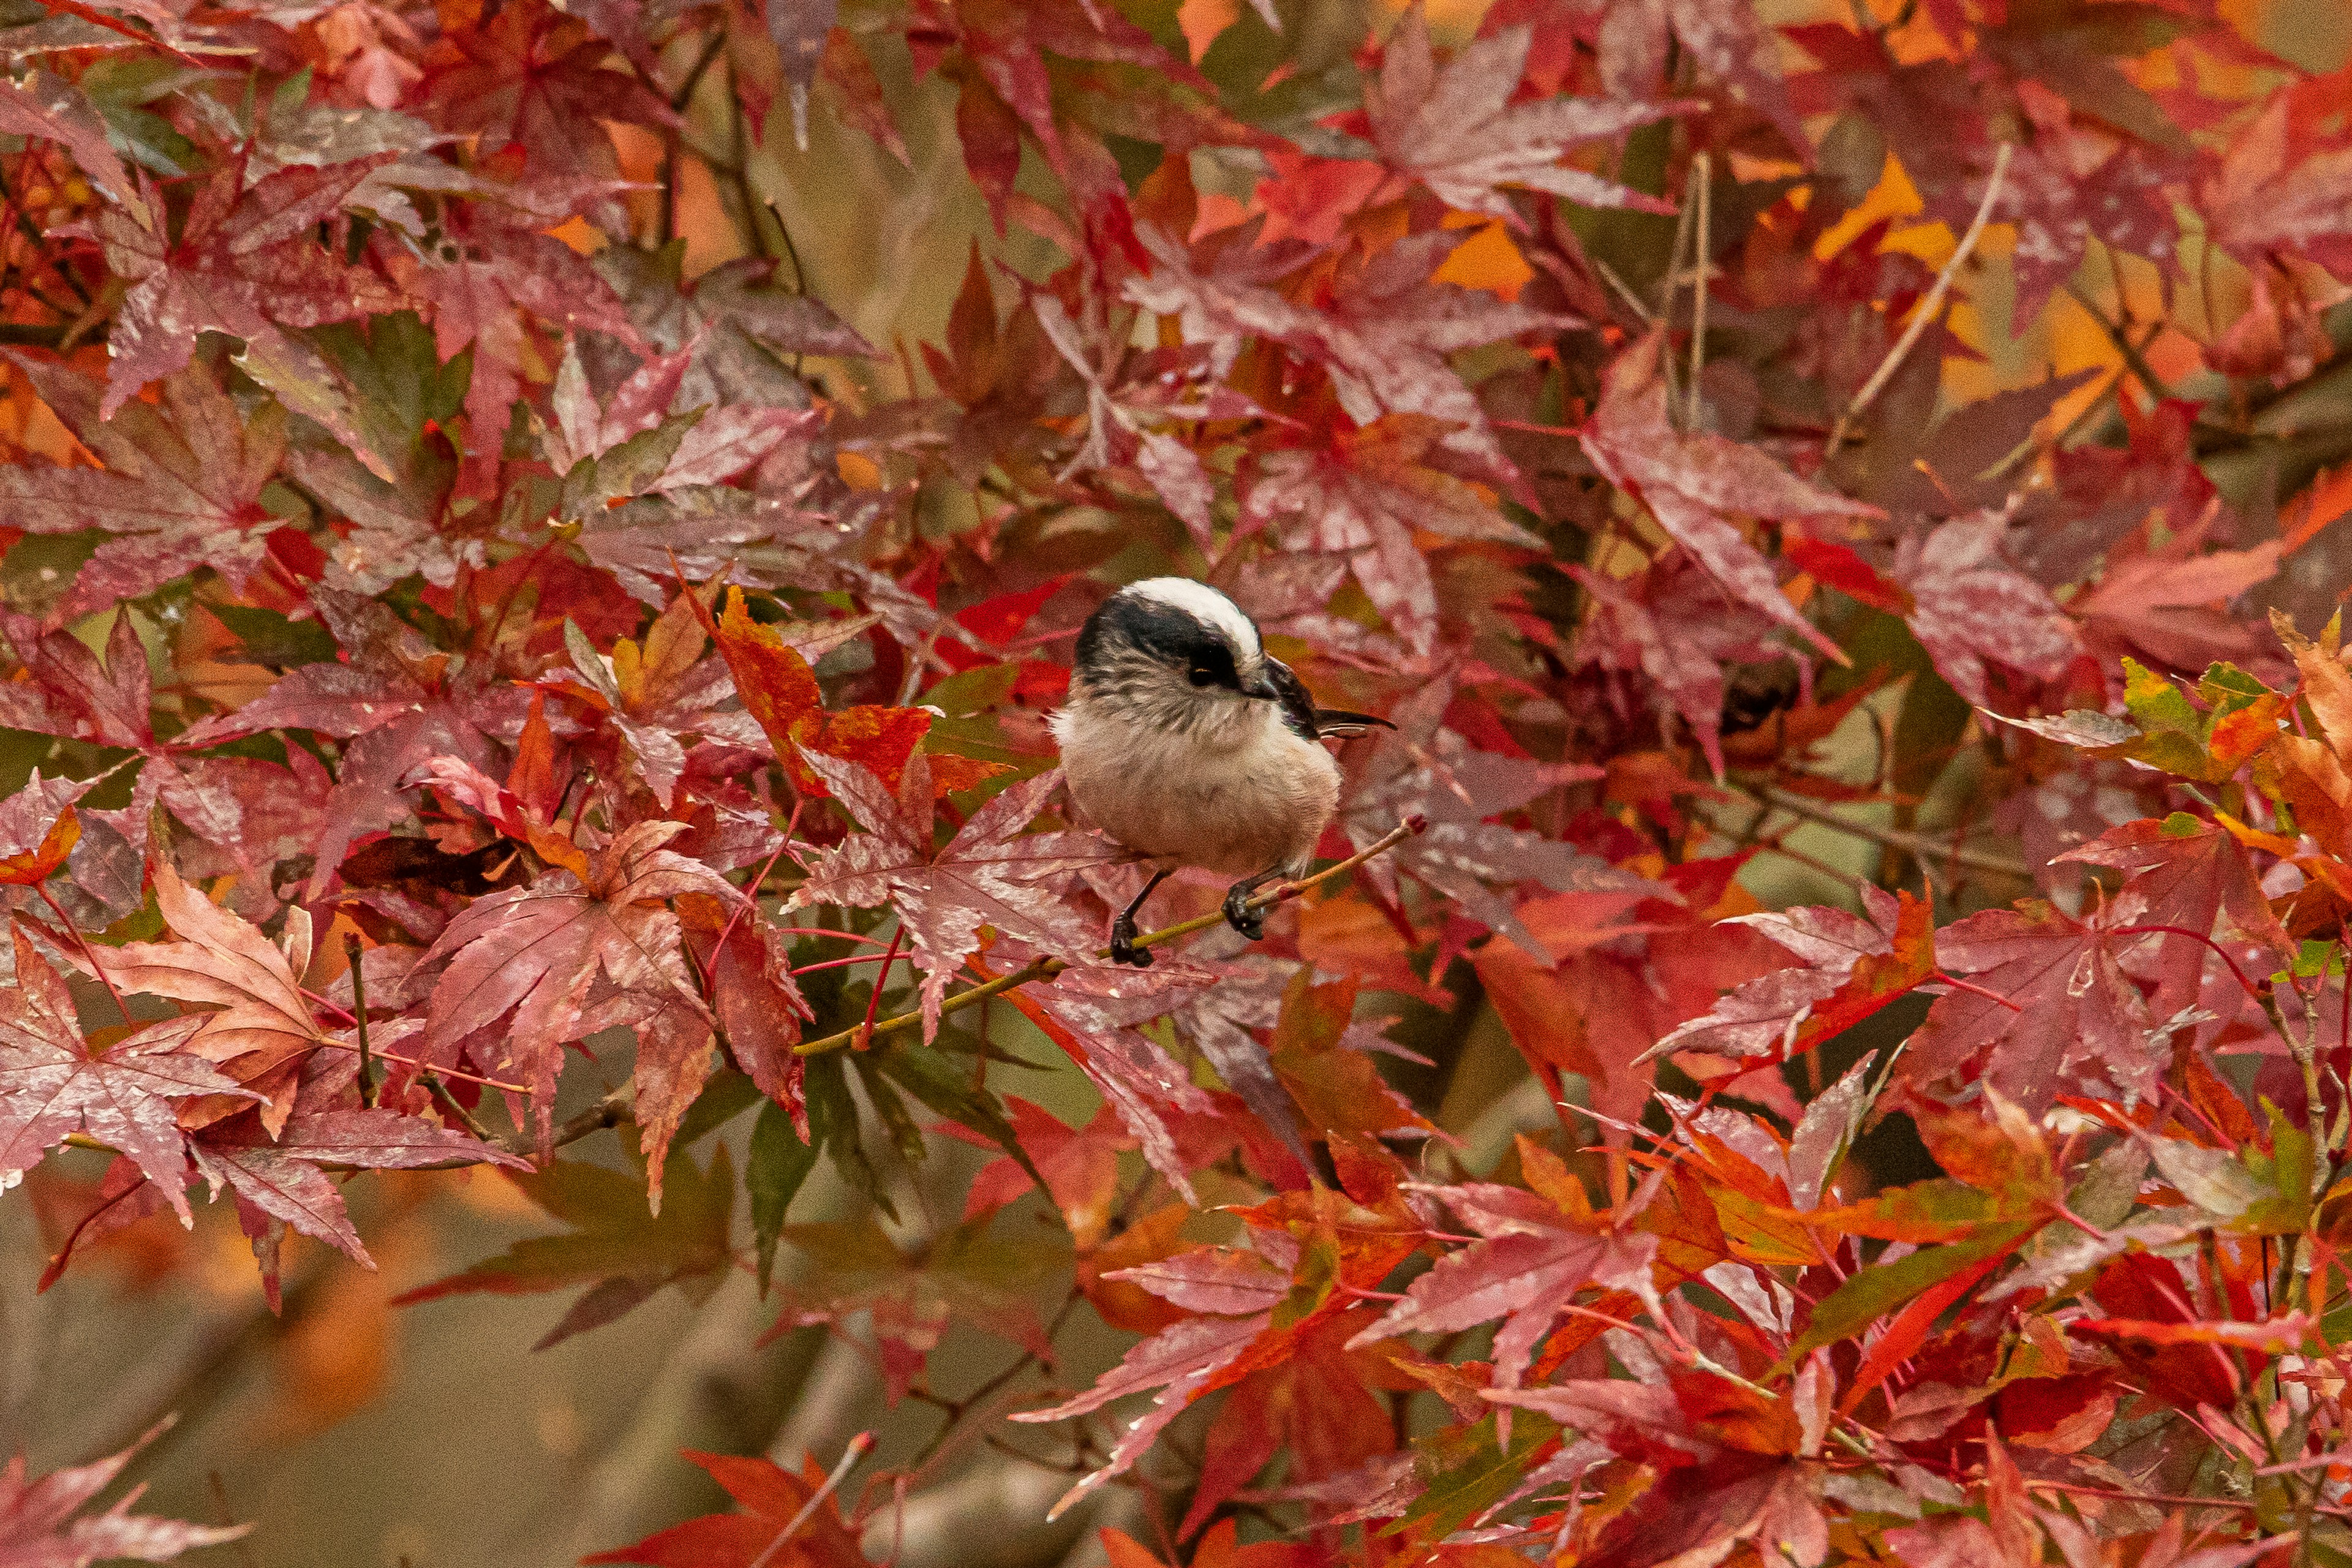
[1837, 1051]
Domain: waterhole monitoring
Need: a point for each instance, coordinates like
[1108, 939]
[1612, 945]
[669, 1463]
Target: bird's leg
[1122, 930]
[1250, 922]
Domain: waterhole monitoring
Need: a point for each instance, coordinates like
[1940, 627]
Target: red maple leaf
[526, 74]
[39, 1529]
[991, 874]
[396, 703]
[1848, 969]
[53, 1082]
[1364, 496]
[1537, 1251]
[1454, 128]
[1970, 608]
[564, 957]
[179, 487]
[781, 691]
[773, 1501]
[2051, 1011]
[1696, 483]
[1377, 324]
[265, 1028]
[246, 262]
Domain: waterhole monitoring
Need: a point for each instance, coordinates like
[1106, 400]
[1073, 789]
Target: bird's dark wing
[1298, 710]
[1340, 721]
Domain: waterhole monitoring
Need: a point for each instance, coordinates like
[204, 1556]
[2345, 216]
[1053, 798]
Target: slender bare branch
[1929, 308]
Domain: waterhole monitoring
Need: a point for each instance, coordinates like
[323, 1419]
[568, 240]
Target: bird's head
[1176, 655]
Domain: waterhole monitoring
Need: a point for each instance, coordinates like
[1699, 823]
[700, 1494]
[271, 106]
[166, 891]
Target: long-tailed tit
[1184, 741]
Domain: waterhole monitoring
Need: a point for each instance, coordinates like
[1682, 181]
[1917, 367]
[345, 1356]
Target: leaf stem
[1047, 968]
[865, 1031]
[1929, 308]
[82, 943]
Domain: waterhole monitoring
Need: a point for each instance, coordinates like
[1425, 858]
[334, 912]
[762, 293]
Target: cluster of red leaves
[449, 645]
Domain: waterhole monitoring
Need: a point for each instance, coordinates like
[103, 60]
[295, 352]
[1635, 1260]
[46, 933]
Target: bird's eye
[1200, 676]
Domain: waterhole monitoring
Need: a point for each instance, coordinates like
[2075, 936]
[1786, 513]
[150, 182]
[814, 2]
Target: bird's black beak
[1262, 687]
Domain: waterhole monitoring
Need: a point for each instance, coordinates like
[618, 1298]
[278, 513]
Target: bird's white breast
[1252, 798]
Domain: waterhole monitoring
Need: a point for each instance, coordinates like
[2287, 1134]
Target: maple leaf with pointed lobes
[781, 691]
[1970, 609]
[2062, 1016]
[490, 271]
[246, 263]
[1696, 483]
[38, 829]
[564, 957]
[1380, 328]
[2194, 877]
[1849, 968]
[1315, 1404]
[1365, 496]
[397, 703]
[990, 874]
[1236, 1294]
[179, 487]
[527, 74]
[39, 1529]
[277, 1175]
[773, 1499]
[660, 692]
[265, 1028]
[1537, 1251]
[53, 1082]
[1080, 1166]
[1456, 129]
[621, 1252]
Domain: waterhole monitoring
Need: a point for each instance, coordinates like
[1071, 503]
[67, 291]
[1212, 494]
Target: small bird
[1187, 742]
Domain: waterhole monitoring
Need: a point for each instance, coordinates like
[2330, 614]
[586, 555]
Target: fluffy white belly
[1237, 810]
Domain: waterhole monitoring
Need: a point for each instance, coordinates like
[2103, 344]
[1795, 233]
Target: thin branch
[685, 93]
[82, 943]
[358, 1020]
[1702, 179]
[1047, 968]
[1917, 844]
[450, 1103]
[2135, 355]
[1929, 308]
[858, 1447]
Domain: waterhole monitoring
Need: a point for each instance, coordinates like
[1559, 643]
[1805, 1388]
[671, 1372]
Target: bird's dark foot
[1122, 944]
[1250, 922]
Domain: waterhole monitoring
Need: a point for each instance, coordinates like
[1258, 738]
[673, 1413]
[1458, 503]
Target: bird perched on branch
[1187, 742]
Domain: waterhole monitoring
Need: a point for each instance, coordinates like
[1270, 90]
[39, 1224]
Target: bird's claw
[1122, 944]
[1250, 922]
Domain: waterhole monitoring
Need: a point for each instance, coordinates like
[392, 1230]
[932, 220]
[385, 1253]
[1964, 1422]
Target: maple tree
[1820, 1035]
